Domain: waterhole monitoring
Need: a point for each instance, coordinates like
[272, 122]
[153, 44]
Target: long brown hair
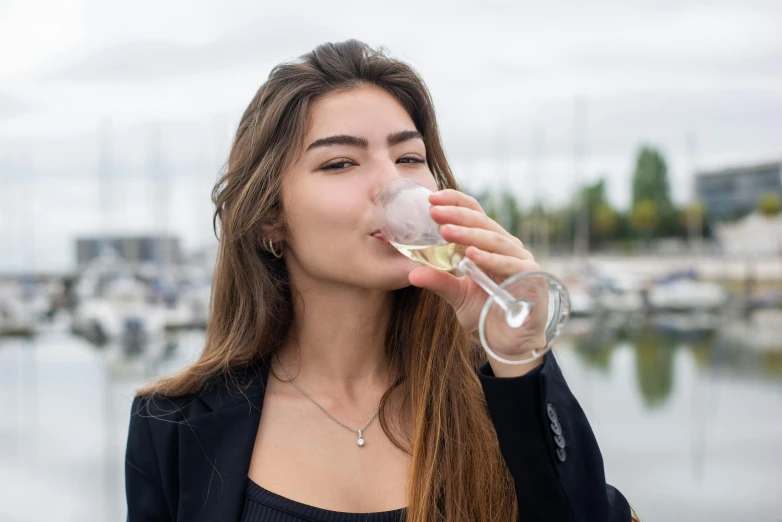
[458, 473]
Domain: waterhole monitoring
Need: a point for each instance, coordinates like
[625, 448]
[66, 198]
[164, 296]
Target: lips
[377, 234]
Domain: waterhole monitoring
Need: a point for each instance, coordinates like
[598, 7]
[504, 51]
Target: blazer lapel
[215, 447]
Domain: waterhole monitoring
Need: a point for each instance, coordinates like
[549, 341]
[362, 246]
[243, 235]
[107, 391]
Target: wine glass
[521, 316]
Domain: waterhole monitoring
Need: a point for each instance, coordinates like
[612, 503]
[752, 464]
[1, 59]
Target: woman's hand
[496, 252]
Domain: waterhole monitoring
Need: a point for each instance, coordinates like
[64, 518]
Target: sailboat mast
[694, 224]
[104, 182]
[581, 227]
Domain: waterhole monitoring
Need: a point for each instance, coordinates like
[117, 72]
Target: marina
[681, 404]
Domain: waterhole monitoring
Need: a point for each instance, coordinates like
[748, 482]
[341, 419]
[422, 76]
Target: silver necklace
[360, 432]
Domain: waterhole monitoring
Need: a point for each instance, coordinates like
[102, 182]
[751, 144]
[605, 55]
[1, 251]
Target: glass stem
[516, 310]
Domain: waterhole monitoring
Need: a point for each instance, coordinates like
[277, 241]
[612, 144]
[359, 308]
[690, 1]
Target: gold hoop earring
[270, 248]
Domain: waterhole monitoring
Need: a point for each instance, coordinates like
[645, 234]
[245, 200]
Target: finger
[499, 243]
[455, 197]
[498, 264]
[464, 216]
[443, 284]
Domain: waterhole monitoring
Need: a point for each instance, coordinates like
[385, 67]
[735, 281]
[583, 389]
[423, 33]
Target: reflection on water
[655, 341]
[686, 409]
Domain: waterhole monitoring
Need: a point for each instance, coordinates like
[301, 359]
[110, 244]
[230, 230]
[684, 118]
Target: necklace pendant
[360, 440]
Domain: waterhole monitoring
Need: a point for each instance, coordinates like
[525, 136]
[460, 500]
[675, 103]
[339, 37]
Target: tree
[604, 221]
[506, 211]
[769, 204]
[560, 228]
[595, 194]
[650, 179]
[511, 208]
[650, 183]
[693, 218]
[644, 218]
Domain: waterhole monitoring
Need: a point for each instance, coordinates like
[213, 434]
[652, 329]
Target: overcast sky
[701, 81]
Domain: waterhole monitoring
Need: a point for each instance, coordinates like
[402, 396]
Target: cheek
[428, 181]
[321, 219]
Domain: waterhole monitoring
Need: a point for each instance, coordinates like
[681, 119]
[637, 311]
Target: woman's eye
[338, 165]
[410, 159]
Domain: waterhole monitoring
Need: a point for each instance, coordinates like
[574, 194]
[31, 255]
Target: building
[734, 192]
[135, 250]
[751, 236]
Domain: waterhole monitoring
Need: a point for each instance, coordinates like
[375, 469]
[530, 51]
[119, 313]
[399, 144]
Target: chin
[387, 270]
[392, 276]
[393, 281]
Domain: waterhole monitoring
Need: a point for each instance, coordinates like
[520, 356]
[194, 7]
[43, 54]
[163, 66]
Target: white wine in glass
[437, 256]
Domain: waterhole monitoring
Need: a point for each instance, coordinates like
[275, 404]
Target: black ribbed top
[262, 505]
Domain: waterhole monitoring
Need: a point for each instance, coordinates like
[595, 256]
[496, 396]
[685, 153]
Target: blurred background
[634, 147]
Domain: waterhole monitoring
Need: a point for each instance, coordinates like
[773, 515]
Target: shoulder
[154, 424]
[221, 390]
[156, 408]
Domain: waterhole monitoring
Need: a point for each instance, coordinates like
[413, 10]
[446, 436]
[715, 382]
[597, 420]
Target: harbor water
[687, 411]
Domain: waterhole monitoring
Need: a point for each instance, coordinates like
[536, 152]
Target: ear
[273, 227]
[270, 232]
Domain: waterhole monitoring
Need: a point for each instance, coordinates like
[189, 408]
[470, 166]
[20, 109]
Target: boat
[114, 305]
[24, 304]
[615, 290]
[683, 291]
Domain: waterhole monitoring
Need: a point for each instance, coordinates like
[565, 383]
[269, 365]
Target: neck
[338, 337]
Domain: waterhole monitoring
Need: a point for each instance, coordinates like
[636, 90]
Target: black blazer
[190, 464]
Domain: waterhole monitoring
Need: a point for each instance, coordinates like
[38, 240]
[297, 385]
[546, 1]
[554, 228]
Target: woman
[319, 327]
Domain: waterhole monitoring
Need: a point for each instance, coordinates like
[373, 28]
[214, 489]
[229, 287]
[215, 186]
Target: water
[690, 423]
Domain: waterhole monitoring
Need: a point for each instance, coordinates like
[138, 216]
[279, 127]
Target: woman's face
[357, 141]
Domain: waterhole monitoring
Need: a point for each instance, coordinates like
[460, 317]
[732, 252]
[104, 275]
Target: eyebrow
[395, 138]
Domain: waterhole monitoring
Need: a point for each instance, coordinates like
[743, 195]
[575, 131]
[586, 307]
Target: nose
[386, 172]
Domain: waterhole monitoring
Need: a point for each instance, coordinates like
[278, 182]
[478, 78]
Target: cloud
[260, 42]
[680, 69]
[10, 105]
